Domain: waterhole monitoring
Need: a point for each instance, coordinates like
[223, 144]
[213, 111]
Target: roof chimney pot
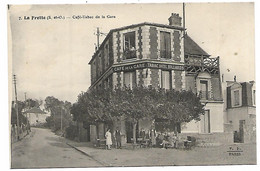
[175, 20]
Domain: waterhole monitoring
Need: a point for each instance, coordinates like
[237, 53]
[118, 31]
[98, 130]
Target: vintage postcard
[153, 84]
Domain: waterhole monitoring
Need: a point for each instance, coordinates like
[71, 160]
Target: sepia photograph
[131, 85]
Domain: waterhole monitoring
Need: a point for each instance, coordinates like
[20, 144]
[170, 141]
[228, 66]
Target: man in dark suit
[118, 138]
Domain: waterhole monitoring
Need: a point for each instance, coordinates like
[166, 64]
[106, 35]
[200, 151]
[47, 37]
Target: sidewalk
[214, 155]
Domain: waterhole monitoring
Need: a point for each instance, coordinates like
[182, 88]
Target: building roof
[35, 110]
[191, 47]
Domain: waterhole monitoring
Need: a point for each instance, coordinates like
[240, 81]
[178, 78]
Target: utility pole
[16, 106]
[26, 107]
[61, 119]
[183, 6]
[98, 34]
[184, 27]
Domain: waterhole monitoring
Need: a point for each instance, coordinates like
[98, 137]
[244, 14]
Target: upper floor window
[166, 79]
[106, 57]
[203, 83]
[130, 79]
[204, 93]
[129, 45]
[100, 64]
[165, 45]
[253, 97]
[236, 97]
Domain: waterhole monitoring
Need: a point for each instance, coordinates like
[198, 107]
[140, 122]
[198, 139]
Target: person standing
[142, 134]
[108, 139]
[153, 137]
[118, 138]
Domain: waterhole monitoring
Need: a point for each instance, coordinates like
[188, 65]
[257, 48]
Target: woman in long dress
[108, 139]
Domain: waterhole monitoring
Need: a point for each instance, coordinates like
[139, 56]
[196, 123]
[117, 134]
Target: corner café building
[157, 55]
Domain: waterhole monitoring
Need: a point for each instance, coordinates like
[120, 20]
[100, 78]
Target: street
[42, 149]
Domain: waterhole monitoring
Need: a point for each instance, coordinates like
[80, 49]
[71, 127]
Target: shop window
[165, 45]
[166, 81]
[129, 45]
[130, 79]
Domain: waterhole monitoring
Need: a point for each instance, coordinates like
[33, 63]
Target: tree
[22, 118]
[175, 107]
[60, 113]
[169, 106]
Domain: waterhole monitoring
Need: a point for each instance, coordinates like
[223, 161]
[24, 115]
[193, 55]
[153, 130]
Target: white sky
[51, 57]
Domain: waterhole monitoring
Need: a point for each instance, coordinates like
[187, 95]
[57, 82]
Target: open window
[129, 45]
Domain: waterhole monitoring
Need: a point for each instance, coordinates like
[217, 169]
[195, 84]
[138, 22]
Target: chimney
[174, 20]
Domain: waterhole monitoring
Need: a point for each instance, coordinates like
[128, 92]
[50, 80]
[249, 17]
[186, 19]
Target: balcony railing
[199, 63]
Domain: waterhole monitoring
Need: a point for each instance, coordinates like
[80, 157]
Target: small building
[241, 110]
[36, 116]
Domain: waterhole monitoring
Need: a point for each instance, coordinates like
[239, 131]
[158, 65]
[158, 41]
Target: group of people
[166, 140]
[160, 139]
[117, 136]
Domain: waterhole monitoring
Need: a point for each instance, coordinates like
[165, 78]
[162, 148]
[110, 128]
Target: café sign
[132, 67]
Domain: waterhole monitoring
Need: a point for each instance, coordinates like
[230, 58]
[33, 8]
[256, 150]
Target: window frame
[170, 81]
[128, 51]
[132, 79]
[239, 90]
[167, 54]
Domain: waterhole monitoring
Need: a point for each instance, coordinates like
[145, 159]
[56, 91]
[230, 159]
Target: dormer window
[203, 86]
[236, 98]
[129, 45]
[253, 97]
[204, 92]
[236, 95]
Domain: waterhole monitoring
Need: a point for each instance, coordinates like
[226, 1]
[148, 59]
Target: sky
[50, 57]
